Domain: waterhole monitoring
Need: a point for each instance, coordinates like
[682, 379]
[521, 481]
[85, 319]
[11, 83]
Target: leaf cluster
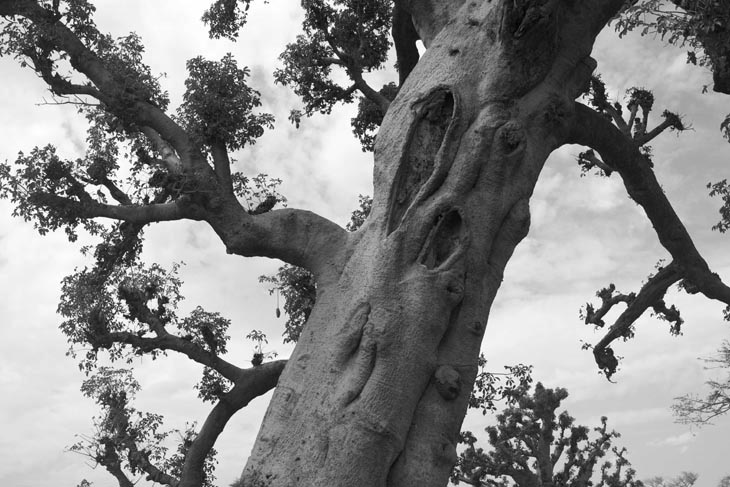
[369, 117]
[225, 18]
[34, 188]
[298, 288]
[258, 194]
[698, 25]
[94, 305]
[721, 189]
[493, 387]
[126, 439]
[352, 35]
[217, 104]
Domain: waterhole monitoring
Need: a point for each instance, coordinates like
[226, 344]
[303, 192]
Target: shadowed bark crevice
[404, 38]
[434, 115]
[444, 241]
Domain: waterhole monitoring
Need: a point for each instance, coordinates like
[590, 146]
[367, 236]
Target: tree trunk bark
[378, 385]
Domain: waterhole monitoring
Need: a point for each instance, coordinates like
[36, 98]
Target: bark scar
[360, 364]
[419, 172]
[445, 242]
[448, 382]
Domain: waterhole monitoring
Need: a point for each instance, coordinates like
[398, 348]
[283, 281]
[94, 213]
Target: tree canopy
[151, 157]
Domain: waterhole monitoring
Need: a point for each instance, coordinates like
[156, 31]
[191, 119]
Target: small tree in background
[129, 443]
[693, 409]
[533, 445]
[684, 479]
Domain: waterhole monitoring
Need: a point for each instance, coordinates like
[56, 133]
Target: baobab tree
[378, 385]
[533, 444]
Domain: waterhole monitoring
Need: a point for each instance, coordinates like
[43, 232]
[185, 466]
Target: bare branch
[619, 151]
[619, 120]
[608, 301]
[671, 121]
[650, 296]
[171, 342]
[633, 107]
[107, 87]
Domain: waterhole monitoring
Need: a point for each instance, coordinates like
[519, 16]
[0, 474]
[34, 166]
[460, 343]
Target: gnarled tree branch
[140, 214]
[650, 296]
[299, 237]
[111, 90]
[622, 153]
[251, 383]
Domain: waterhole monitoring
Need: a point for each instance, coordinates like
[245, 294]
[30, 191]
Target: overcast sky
[585, 234]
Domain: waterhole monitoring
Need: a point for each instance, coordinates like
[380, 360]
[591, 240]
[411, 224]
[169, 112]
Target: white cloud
[677, 440]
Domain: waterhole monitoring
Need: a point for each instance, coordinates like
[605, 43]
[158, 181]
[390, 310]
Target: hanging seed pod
[278, 313]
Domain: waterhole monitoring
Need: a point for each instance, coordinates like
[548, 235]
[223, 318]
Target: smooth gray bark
[378, 385]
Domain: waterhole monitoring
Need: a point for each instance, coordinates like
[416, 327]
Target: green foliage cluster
[225, 18]
[123, 58]
[258, 194]
[126, 438]
[360, 214]
[27, 40]
[721, 189]
[369, 117]
[701, 26]
[92, 306]
[298, 288]
[348, 34]
[37, 179]
[217, 104]
[489, 387]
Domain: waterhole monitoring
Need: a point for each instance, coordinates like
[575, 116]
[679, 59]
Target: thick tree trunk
[378, 385]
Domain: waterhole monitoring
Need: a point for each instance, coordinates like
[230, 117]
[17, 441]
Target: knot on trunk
[448, 382]
[511, 137]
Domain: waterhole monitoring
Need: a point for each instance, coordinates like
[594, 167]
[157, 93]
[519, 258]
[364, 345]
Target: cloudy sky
[585, 234]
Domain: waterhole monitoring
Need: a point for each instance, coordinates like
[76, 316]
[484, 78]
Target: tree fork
[376, 389]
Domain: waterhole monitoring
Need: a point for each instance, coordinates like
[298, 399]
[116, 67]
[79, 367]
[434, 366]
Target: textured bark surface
[378, 385]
